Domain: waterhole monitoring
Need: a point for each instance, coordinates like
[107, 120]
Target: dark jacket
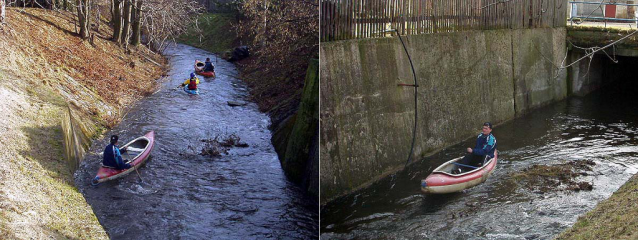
[485, 145]
[113, 158]
[209, 67]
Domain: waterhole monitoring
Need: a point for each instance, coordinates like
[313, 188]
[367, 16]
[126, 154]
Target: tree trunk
[137, 22]
[84, 8]
[66, 5]
[2, 10]
[127, 21]
[117, 20]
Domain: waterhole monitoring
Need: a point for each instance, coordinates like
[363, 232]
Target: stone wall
[465, 79]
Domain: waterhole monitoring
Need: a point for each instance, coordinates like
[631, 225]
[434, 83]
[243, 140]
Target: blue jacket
[113, 158]
[485, 145]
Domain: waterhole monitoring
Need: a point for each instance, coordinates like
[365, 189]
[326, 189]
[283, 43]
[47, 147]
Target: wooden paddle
[138, 173]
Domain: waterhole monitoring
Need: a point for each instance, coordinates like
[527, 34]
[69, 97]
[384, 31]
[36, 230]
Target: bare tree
[137, 22]
[126, 26]
[2, 10]
[284, 32]
[84, 11]
[166, 19]
[116, 18]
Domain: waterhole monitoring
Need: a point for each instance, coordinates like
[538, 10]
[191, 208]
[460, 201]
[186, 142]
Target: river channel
[180, 194]
[602, 126]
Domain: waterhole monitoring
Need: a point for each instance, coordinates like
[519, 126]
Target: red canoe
[199, 67]
[442, 180]
[141, 147]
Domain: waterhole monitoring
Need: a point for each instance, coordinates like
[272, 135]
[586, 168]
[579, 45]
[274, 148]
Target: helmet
[192, 75]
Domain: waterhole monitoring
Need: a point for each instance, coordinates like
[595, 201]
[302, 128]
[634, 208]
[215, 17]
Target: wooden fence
[350, 19]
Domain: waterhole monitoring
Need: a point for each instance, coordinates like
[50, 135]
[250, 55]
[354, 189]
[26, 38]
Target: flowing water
[180, 194]
[602, 127]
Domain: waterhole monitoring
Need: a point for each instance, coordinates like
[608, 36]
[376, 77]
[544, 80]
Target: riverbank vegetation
[46, 68]
[284, 37]
[613, 218]
[212, 32]
[559, 177]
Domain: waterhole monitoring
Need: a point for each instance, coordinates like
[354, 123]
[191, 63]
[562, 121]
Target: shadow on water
[602, 127]
[242, 194]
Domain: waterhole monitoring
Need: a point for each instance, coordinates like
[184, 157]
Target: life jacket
[208, 67]
[192, 84]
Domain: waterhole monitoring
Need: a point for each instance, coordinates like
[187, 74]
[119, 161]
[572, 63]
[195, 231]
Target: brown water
[183, 195]
[602, 127]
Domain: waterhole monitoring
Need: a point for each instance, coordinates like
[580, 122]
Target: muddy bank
[45, 70]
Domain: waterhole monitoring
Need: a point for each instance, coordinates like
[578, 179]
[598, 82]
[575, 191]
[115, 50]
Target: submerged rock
[235, 103]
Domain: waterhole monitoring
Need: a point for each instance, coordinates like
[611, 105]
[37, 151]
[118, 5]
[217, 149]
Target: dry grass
[51, 48]
[44, 67]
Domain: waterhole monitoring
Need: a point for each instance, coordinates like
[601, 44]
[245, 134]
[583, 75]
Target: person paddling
[208, 67]
[113, 157]
[483, 150]
[191, 82]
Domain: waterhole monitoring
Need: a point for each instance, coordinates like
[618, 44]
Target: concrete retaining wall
[465, 79]
[77, 138]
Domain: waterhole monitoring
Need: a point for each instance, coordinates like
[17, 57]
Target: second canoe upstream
[244, 194]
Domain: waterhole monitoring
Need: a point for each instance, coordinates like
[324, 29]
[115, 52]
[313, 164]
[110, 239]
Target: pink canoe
[199, 66]
[442, 180]
[140, 147]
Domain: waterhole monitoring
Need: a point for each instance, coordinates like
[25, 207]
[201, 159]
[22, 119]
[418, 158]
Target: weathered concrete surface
[584, 76]
[297, 136]
[465, 78]
[536, 56]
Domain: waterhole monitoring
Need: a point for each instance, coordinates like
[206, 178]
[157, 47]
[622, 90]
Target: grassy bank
[613, 218]
[44, 69]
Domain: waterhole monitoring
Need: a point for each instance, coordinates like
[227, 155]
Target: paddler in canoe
[113, 157]
[482, 151]
[190, 85]
[208, 66]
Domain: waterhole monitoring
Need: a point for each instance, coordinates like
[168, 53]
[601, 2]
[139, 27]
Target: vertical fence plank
[351, 25]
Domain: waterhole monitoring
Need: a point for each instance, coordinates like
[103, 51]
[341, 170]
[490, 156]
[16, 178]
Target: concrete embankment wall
[77, 138]
[465, 79]
[296, 139]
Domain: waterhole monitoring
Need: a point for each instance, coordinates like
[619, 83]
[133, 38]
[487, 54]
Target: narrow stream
[602, 127]
[183, 195]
